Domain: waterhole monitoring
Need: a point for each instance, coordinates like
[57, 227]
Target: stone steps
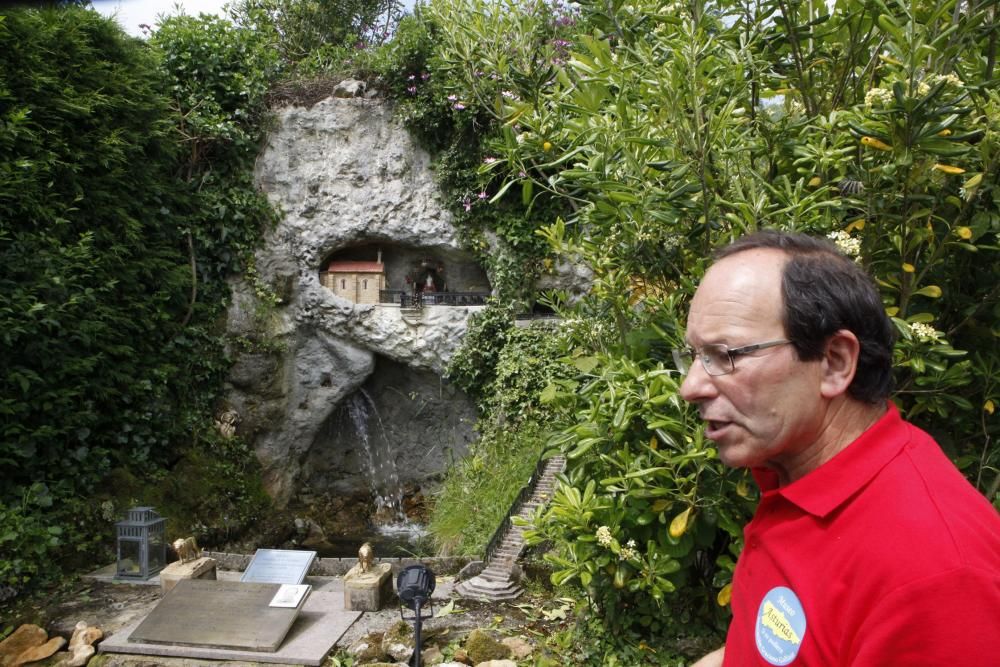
[496, 581]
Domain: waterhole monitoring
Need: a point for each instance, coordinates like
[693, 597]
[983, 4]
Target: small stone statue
[187, 549]
[366, 556]
[226, 423]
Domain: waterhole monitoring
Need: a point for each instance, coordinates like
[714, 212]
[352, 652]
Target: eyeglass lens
[715, 359]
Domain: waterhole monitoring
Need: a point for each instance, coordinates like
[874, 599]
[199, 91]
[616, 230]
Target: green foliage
[506, 368]
[526, 365]
[26, 535]
[94, 276]
[116, 240]
[473, 367]
[217, 77]
[309, 30]
[478, 490]
[590, 642]
[668, 130]
[645, 511]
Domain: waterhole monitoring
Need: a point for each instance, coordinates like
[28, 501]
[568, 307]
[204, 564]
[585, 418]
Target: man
[868, 547]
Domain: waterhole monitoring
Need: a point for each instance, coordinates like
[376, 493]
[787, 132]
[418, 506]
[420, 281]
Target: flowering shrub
[668, 133]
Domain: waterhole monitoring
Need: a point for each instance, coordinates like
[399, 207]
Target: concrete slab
[319, 625]
[199, 612]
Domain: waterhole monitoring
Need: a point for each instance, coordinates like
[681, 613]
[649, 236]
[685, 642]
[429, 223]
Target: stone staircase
[497, 580]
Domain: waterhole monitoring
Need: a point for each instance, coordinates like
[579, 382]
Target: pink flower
[482, 195]
[467, 204]
[453, 98]
[412, 90]
[489, 160]
[458, 106]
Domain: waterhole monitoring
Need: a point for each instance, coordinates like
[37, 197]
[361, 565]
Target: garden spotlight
[414, 586]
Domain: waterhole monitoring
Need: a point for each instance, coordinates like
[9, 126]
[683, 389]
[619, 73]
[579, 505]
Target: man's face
[769, 409]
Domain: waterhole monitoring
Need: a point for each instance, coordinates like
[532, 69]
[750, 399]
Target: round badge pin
[781, 626]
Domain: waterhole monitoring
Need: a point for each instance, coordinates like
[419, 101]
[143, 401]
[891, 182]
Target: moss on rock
[482, 647]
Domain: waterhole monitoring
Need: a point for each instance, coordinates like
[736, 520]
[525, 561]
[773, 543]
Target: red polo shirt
[884, 556]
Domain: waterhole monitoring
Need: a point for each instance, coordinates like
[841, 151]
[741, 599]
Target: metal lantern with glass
[142, 547]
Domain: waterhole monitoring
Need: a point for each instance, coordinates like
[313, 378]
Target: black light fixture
[414, 586]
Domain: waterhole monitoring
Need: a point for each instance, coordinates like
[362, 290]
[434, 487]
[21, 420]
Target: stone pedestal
[367, 591]
[200, 568]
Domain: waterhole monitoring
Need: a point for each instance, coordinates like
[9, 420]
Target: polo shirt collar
[826, 488]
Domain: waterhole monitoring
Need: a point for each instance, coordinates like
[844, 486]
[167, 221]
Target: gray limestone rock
[349, 182]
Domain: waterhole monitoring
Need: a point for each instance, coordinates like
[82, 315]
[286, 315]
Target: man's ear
[840, 361]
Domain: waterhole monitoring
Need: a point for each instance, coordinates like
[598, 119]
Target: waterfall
[381, 465]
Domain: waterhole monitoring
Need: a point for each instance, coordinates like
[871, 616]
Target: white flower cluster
[604, 536]
[628, 552]
[672, 242]
[923, 88]
[950, 79]
[846, 243]
[925, 332]
[878, 97]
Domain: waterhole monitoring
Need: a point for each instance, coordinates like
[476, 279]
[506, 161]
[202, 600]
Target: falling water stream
[389, 518]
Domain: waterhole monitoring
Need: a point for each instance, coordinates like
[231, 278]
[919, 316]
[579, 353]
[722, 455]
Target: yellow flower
[989, 407]
[908, 268]
[964, 233]
[547, 146]
[679, 525]
[948, 169]
[944, 133]
[725, 595]
[858, 224]
[815, 181]
[872, 142]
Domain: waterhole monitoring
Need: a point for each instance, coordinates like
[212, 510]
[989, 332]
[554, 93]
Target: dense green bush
[95, 277]
[125, 200]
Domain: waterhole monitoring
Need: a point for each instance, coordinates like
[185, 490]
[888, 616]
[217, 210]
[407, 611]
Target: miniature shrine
[356, 281]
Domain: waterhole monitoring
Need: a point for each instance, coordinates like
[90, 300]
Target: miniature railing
[399, 297]
[425, 298]
[522, 497]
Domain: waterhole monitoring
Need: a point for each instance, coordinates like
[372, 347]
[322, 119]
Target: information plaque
[278, 566]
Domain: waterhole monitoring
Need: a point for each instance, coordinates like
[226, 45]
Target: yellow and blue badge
[781, 626]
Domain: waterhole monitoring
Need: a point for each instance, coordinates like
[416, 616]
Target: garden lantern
[142, 547]
[414, 586]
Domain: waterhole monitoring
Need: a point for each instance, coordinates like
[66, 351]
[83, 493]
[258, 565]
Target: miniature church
[355, 281]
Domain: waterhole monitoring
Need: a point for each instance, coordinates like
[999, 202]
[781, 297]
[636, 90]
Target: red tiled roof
[357, 267]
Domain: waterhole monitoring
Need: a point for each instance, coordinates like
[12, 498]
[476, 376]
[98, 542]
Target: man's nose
[697, 385]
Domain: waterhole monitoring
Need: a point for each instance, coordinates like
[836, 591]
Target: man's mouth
[714, 428]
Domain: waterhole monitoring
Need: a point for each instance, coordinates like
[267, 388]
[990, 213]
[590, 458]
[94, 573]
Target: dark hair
[824, 291]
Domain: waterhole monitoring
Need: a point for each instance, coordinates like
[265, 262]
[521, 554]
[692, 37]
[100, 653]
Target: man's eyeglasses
[716, 358]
